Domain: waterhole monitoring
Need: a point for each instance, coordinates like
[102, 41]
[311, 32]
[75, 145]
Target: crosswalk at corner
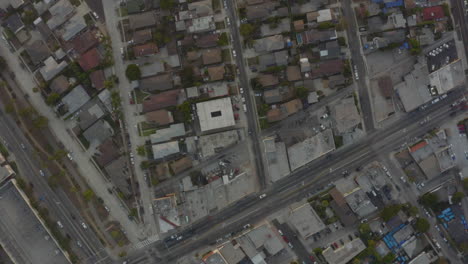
[146, 242]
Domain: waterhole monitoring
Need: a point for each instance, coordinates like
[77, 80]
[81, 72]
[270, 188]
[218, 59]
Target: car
[234, 53]
[131, 155]
[228, 21]
[179, 238]
[241, 90]
[262, 196]
[336, 245]
[243, 99]
[79, 243]
[285, 239]
[466, 155]
[435, 101]
[436, 226]
[290, 245]
[69, 156]
[107, 209]
[41, 173]
[438, 245]
[403, 179]
[280, 232]
[84, 225]
[246, 226]
[23, 146]
[95, 15]
[59, 224]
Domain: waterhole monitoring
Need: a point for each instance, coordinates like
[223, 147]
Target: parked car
[59, 224]
[262, 196]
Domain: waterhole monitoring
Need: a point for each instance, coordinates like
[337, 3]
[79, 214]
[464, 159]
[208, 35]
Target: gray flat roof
[76, 99]
[215, 114]
[345, 253]
[22, 234]
[306, 221]
[165, 134]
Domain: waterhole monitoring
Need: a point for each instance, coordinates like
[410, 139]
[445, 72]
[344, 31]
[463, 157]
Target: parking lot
[441, 55]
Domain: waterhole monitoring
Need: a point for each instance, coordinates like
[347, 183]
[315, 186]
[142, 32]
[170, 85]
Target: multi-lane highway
[309, 179]
[59, 206]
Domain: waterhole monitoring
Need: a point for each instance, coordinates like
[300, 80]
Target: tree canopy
[246, 30]
[133, 72]
[422, 225]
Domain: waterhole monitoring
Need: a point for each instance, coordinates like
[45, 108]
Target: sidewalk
[87, 170]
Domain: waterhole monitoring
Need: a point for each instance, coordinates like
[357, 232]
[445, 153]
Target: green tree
[144, 164]
[390, 211]
[389, 258]
[2, 62]
[415, 46]
[185, 109]
[40, 122]
[262, 109]
[52, 98]
[325, 204]
[413, 210]
[302, 92]
[422, 225]
[167, 4]
[141, 150]
[325, 25]
[246, 30]
[223, 39]
[318, 251]
[29, 16]
[465, 184]
[133, 72]
[116, 101]
[88, 195]
[342, 41]
[429, 200]
[457, 197]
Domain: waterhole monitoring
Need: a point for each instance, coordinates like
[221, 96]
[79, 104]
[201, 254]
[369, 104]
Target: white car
[262, 196]
[403, 179]
[290, 245]
[95, 15]
[107, 209]
[79, 243]
[280, 232]
[233, 53]
[41, 173]
[84, 225]
[69, 156]
[59, 224]
[241, 90]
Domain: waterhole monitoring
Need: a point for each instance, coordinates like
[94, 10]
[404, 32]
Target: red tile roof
[418, 146]
[83, 42]
[97, 79]
[145, 49]
[161, 100]
[90, 59]
[433, 13]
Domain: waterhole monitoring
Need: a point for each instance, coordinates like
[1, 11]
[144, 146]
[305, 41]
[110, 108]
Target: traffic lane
[29, 168]
[96, 6]
[291, 237]
[367, 152]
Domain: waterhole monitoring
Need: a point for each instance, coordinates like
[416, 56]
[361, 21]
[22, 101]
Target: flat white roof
[215, 114]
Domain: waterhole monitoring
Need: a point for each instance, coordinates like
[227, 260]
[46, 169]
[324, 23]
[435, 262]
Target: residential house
[37, 51]
[327, 68]
[134, 6]
[200, 24]
[277, 95]
[181, 165]
[161, 82]
[75, 99]
[51, 68]
[160, 117]
[142, 20]
[293, 73]
[73, 27]
[330, 50]
[314, 36]
[324, 15]
[299, 25]
[106, 152]
[266, 80]
[14, 23]
[145, 49]
[164, 150]
[97, 79]
[98, 132]
[166, 134]
[83, 42]
[207, 41]
[211, 56]
[90, 59]
[59, 85]
[281, 57]
[163, 100]
[151, 69]
[269, 44]
[261, 11]
[284, 110]
[435, 13]
[142, 36]
[59, 13]
[336, 81]
[216, 73]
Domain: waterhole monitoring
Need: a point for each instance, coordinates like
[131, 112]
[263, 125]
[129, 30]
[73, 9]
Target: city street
[250, 209]
[58, 204]
[357, 59]
[150, 228]
[87, 170]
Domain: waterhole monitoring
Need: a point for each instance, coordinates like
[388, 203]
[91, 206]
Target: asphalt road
[310, 179]
[458, 12]
[298, 247]
[251, 114]
[358, 60]
[59, 206]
